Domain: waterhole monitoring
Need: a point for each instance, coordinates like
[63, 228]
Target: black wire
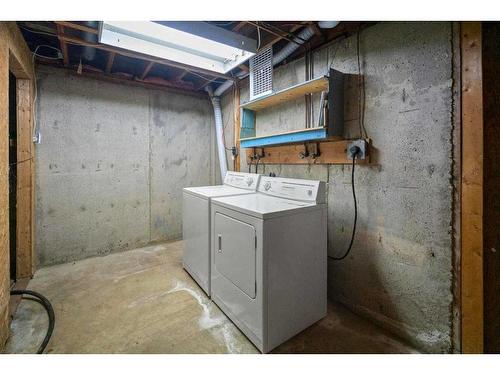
[361, 91]
[21, 161]
[50, 312]
[359, 88]
[355, 213]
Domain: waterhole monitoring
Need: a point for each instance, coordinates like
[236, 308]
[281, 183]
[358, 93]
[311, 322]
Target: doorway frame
[16, 57]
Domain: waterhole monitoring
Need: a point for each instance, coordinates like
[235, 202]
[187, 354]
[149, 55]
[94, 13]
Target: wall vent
[261, 73]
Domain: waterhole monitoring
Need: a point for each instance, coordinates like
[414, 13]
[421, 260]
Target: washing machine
[196, 221]
[269, 259]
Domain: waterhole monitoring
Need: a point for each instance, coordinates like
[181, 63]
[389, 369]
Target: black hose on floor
[50, 312]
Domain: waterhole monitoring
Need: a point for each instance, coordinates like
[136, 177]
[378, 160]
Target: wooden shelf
[288, 94]
[333, 84]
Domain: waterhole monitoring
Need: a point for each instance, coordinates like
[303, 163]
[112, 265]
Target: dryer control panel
[242, 180]
[292, 188]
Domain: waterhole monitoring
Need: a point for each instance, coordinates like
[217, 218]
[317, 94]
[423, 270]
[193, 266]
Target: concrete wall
[399, 273]
[112, 164]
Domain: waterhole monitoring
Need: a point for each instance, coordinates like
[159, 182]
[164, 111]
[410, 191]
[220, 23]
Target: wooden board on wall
[25, 178]
[4, 189]
[331, 152]
[472, 189]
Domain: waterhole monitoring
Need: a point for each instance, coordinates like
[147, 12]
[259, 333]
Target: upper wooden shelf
[290, 93]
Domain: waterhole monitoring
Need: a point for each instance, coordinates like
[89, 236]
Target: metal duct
[291, 47]
[328, 24]
[88, 53]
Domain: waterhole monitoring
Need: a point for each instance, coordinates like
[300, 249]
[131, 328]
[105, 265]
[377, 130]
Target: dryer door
[235, 252]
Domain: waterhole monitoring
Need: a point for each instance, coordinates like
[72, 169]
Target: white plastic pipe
[219, 133]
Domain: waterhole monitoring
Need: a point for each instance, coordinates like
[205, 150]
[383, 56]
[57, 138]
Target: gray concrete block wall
[399, 273]
[112, 164]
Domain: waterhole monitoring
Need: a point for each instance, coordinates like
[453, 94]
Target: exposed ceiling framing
[71, 38]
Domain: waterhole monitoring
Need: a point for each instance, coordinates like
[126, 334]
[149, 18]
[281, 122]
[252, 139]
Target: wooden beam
[62, 43]
[180, 76]
[239, 26]
[271, 31]
[123, 52]
[4, 188]
[276, 39]
[109, 63]
[331, 152]
[205, 83]
[237, 125]
[472, 190]
[244, 68]
[76, 26]
[25, 180]
[133, 82]
[147, 69]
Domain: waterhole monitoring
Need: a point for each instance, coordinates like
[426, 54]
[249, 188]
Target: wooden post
[472, 189]
[25, 183]
[4, 191]
[237, 125]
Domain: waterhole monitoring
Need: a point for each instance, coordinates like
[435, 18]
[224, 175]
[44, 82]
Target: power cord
[50, 312]
[355, 151]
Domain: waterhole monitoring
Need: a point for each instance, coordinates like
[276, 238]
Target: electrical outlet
[361, 143]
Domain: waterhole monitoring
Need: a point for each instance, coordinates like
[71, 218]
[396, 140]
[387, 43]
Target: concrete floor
[142, 301]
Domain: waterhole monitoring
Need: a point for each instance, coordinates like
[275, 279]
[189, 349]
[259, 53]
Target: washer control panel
[292, 188]
[242, 180]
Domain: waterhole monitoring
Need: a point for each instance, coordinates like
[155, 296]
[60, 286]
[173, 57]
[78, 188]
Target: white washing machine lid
[234, 183]
[264, 206]
[215, 191]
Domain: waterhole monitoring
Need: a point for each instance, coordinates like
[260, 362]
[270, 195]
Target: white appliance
[196, 221]
[269, 259]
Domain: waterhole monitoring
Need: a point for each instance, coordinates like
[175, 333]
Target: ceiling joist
[110, 61]
[67, 33]
[147, 69]
[64, 46]
[76, 26]
[123, 52]
[169, 86]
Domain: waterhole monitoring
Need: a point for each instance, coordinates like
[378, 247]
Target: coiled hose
[50, 312]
